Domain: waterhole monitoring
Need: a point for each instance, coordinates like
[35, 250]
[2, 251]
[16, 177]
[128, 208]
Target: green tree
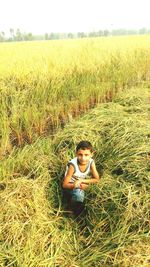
[12, 34]
[46, 36]
[81, 35]
[18, 36]
[106, 32]
[2, 36]
[143, 31]
[70, 35]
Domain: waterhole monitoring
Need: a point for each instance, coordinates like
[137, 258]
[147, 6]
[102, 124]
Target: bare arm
[95, 176]
[66, 182]
[85, 182]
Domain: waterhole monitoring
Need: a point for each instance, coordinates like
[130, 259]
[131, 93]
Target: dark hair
[85, 145]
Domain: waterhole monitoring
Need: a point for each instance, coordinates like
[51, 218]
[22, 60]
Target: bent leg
[77, 201]
[77, 208]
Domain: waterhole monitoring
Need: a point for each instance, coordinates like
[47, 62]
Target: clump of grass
[32, 233]
[35, 229]
[118, 214]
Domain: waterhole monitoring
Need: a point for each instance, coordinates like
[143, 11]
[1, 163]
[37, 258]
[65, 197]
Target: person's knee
[78, 195]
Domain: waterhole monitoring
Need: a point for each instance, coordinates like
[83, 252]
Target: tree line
[17, 35]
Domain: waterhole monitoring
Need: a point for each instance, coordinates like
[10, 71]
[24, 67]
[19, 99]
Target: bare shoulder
[93, 164]
[94, 170]
[70, 170]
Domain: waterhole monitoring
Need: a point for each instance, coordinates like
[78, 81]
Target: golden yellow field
[43, 84]
[44, 88]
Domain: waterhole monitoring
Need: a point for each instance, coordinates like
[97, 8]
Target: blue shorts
[76, 194]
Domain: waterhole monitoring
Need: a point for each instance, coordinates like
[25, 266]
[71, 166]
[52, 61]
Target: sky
[46, 16]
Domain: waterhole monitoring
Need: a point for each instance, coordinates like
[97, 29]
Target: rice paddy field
[44, 84]
[54, 94]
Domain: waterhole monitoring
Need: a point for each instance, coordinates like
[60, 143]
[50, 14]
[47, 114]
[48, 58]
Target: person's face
[83, 156]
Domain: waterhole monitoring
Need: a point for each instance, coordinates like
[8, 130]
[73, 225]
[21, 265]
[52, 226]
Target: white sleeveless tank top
[77, 172]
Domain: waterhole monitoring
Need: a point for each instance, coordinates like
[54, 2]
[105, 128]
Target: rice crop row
[36, 230]
[44, 84]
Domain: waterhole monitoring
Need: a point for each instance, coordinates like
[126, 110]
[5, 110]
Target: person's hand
[77, 184]
[84, 186]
